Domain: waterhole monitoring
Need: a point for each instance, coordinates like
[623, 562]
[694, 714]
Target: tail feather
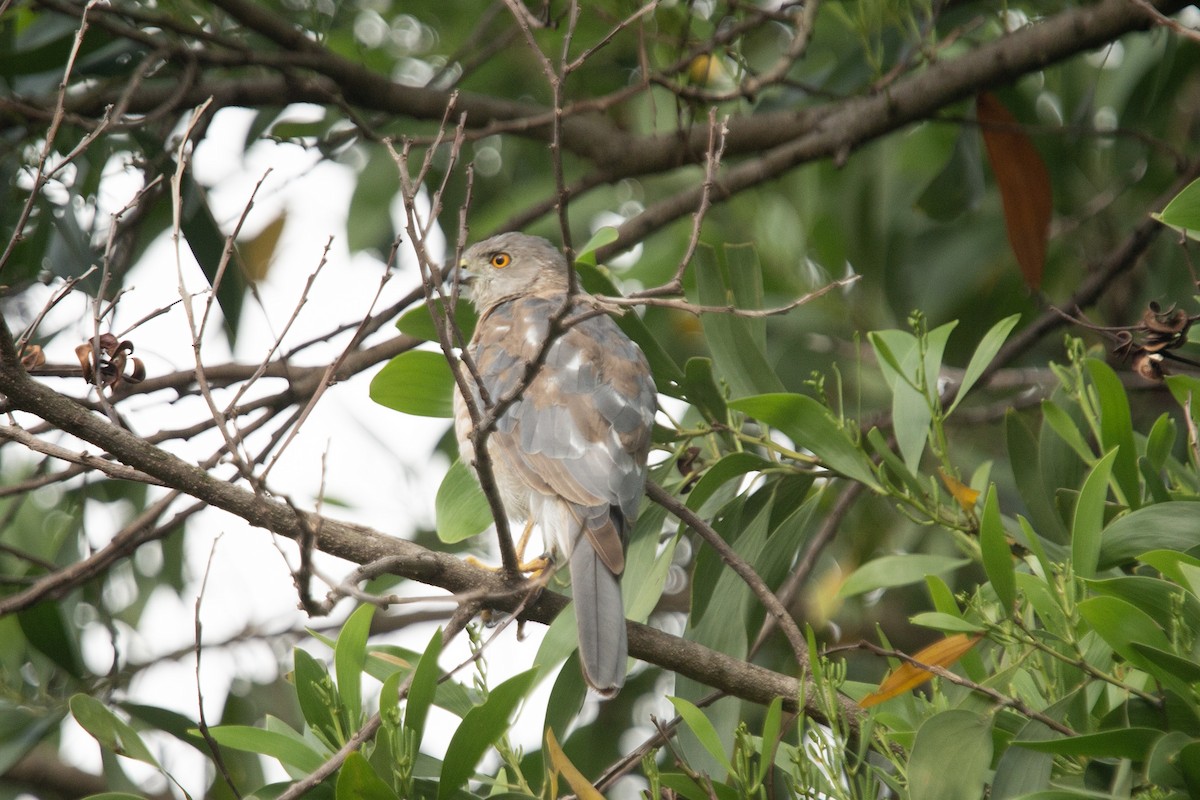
[603, 649]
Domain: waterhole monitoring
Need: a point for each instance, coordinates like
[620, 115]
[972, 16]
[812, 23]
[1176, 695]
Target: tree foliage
[915, 285]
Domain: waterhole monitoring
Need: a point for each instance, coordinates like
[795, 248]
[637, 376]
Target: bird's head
[512, 265]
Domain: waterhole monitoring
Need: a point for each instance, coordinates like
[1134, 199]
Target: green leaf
[418, 382]
[357, 780]
[1131, 743]
[701, 390]
[605, 236]
[1116, 428]
[481, 728]
[729, 468]
[112, 732]
[809, 424]
[772, 725]
[461, 508]
[1062, 424]
[997, 557]
[20, 730]
[1164, 526]
[950, 623]
[1120, 625]
[956, 737]
[207, 243]
[47, 631]
[318, 698]
[1183, 212]
[349, 658]
[899, 354]
[989, 346]
[702, 729]
[288, 749]
[1089, 518]
[737, 343]
[418, 323]
[897, 468]
[423, 689]
[959, 185]
[887, 572]
[1160, 441]
[1026, 468]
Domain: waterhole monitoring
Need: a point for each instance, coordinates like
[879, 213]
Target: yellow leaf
[965, 495]
[560, 764]
[941, 653]
[257, 253]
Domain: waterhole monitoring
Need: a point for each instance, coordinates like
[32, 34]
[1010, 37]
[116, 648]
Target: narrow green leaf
[1160, 441]
[949, 623]
[956, 737]
[319, 702]
[461, 509]
[997, 557]
[1131, 743]
[898, 469]
[736, 343]
[989, 346]
[423, 688]
[1121, 624]
[1089, 518]
[481, 728]
[47, 631]
[772, 724]
[112, 732]
[1062, 424]
[1183, 668]
[702, 729]
[899, 354]
[701, 390]
[809, 424]
[349, 658]
[291, 750]
[890, 571]
[1164, 526]
[729, 468]
[417, 382]
[357, 780]
[1024, 458]
[1116, 429]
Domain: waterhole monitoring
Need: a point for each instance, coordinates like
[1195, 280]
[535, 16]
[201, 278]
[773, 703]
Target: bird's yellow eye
[501, 260]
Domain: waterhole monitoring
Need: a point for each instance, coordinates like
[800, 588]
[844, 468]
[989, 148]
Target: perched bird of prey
[570, 453]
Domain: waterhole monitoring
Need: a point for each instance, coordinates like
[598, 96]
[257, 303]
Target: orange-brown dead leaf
[965, 495]
[1024, 185]
[942, 653]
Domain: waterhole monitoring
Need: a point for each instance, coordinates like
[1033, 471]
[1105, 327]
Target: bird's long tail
[603, 649]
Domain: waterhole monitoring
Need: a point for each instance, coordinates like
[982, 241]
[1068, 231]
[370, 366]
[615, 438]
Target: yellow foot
[532, 568]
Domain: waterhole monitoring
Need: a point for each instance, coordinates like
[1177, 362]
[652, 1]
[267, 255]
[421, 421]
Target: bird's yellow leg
[532, 567]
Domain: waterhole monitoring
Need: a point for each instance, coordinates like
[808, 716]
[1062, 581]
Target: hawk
[569, 454]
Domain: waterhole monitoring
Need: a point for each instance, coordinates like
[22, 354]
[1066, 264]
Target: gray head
[513, 265]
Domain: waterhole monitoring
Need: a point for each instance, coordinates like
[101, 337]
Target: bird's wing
[581, 429]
